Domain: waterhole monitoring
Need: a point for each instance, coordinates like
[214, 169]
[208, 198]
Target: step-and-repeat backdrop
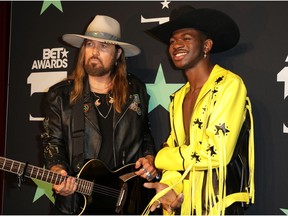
[39, 58]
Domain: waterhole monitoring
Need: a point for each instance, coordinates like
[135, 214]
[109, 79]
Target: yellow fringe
[251, 155]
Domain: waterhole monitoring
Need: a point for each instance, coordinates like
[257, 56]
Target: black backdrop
[259, 58]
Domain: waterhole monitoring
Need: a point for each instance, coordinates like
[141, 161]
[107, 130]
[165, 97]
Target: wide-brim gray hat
[103, 29]
[215, 24]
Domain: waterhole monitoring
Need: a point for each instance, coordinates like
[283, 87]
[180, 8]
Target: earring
[205, 51]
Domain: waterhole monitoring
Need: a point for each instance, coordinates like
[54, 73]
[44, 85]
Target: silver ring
[159, 203]
[148, 174]
[158, 176]
[144, 169]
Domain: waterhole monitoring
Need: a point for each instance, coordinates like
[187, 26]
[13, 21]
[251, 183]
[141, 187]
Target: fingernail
[181, 197]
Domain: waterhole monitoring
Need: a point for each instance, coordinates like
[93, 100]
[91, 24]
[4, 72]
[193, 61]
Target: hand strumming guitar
[148, 170]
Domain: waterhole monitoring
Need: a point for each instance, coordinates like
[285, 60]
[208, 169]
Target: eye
[187, 38]
[171, 41]
[104, 45]
[89, 44]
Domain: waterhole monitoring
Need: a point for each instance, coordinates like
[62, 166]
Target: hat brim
[76, 40]
[218, 26]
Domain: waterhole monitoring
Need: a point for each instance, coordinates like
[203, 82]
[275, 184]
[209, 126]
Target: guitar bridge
[122, 198]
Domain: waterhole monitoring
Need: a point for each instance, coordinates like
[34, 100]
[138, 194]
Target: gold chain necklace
[98, 103]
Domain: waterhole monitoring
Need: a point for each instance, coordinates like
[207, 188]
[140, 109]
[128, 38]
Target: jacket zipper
[114, 151]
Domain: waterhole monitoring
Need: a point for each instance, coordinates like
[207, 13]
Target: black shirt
[104, 110]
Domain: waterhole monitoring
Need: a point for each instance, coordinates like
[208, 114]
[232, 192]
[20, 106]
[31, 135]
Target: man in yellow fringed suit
[207, 162]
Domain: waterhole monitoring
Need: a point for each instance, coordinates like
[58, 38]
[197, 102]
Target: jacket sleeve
[148, 147]
[53, 141]
[218, 136]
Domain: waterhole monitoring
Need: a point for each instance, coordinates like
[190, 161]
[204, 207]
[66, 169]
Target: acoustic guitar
[119, 192]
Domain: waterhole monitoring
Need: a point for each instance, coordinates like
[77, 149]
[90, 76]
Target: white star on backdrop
[165, 4]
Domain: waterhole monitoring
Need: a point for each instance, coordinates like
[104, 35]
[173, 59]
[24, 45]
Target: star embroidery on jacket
[221, 128]
[214, 91]
[196, 157]
[199, 123]
[219, 79]
[211, 149]
[204, 110]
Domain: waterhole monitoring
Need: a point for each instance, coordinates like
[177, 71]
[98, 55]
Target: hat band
[102, 35]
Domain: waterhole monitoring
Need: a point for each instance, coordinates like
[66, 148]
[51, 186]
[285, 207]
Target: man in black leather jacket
[101, 112]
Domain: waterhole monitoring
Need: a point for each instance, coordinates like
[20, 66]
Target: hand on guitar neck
[68, 186]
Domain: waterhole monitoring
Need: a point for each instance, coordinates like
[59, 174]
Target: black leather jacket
[131, 135]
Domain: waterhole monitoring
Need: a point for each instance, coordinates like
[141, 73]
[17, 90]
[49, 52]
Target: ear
[208, 44]
[119, 52]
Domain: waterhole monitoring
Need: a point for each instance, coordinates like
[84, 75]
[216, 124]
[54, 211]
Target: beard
[98, 69]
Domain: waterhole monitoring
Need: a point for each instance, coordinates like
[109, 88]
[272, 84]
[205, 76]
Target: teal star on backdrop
[160, 91]
[285, 211]
[43, 188]
[47, 3]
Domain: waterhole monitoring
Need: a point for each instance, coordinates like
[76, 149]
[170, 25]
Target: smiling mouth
[180, 54]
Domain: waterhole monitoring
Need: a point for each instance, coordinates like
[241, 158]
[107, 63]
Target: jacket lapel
[89, 107]
[118, 116]
[177, 114]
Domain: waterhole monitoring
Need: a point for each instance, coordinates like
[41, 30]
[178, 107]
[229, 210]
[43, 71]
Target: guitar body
[114, 192]
[99, 190]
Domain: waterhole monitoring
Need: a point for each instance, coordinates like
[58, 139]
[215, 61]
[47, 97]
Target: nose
[95, 51]
[177, 44]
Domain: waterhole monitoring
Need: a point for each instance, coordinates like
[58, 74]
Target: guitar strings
[101, 189]
[106, 191]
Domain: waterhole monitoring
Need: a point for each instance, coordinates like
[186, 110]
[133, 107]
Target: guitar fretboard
[84, 187]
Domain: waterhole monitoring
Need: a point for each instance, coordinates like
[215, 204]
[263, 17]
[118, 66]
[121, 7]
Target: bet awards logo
[56, 61]
[52, 58]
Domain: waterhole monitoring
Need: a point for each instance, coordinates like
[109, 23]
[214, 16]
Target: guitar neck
[16, 167]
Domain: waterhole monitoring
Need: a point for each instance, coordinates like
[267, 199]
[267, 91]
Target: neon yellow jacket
[218, 115]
